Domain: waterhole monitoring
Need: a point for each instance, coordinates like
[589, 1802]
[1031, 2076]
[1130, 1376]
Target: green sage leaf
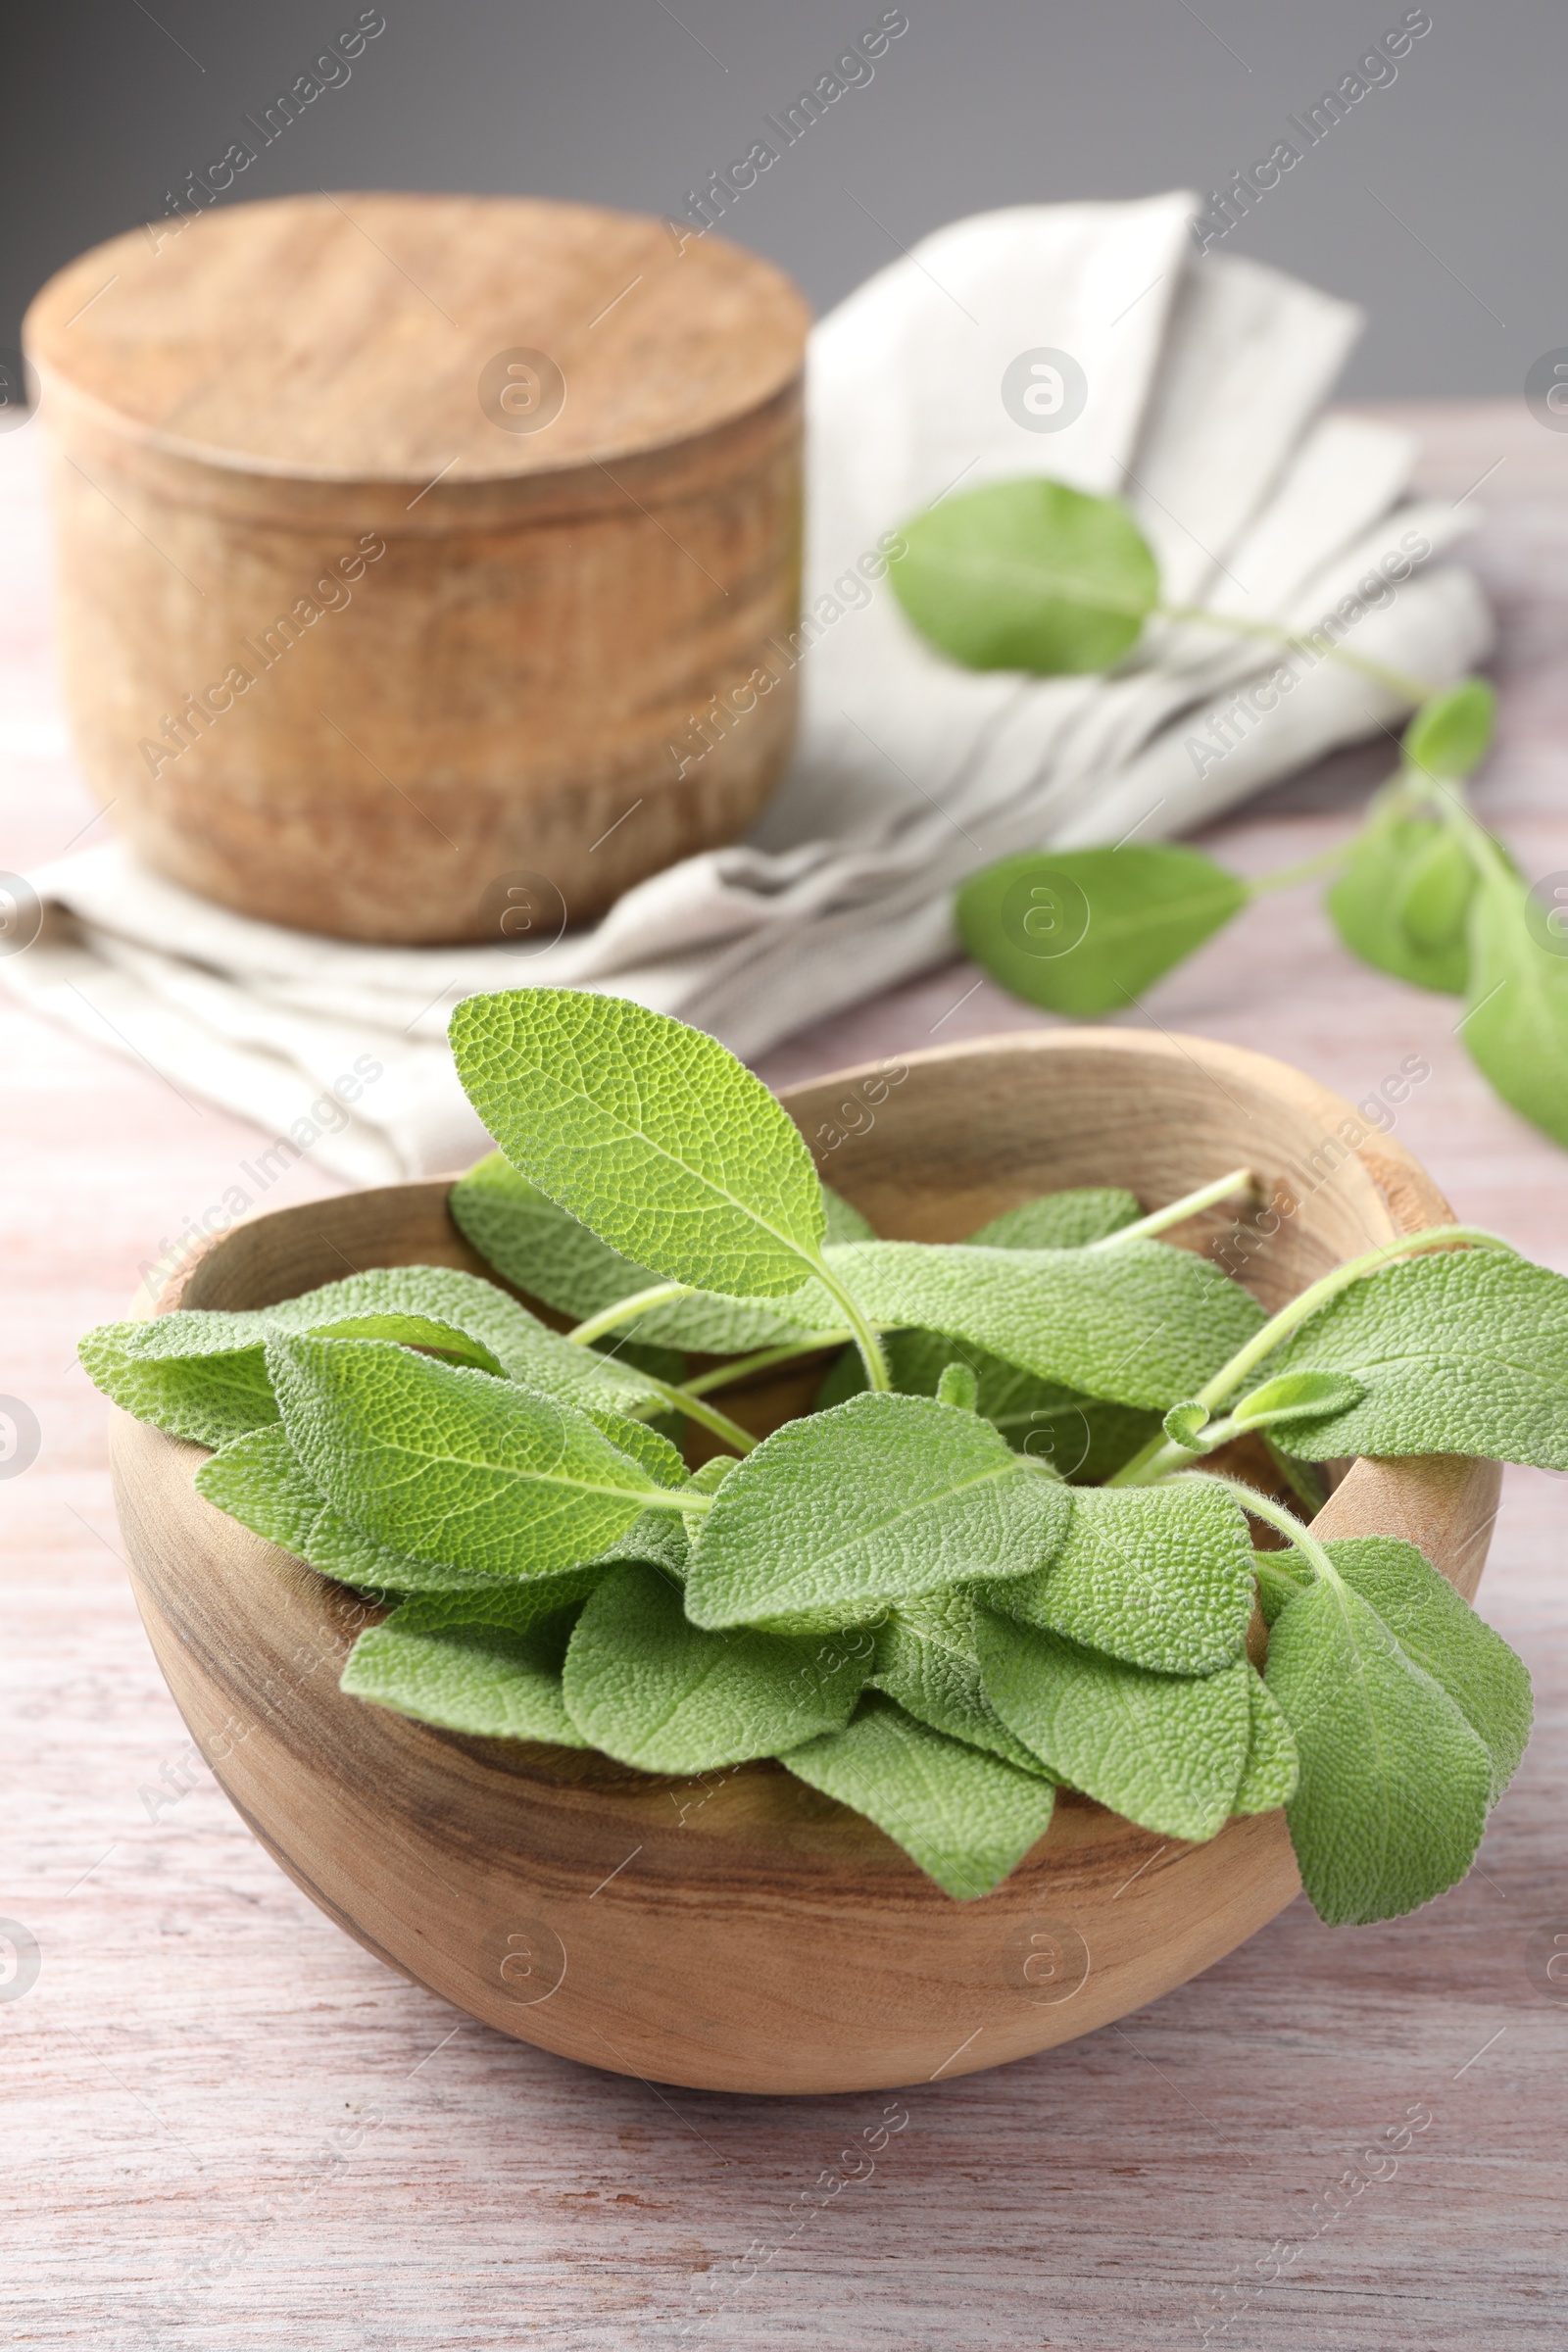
[1515, 1025]
[1456, 1352]
[652, 1690]
[456, 1661]
[546, 1252]
[647, 1132]
[881, 1500]
[1144, 1324]
[967, 1819]
[1068, 1220]
[489, 1322]
[1080, 1438]
[1188, 1425]
[258, 1480]
[927, 1660]
[1159, 1576]
[1166, 1750]
[1269, 1775]
[428, 1333]
[1403, 901]
[1296, 1396]
[210, 1398]
[1391, 1795]
[1450, 734]
[1027, 575]
[647, 1447]
[1280, 1575]
[1090, 931]
[1437, 1628]
[450, 1465]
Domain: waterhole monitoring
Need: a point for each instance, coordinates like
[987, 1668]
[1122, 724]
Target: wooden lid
[407, 337]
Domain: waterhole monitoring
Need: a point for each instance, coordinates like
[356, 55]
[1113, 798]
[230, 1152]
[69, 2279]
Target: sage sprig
[1032, 576]
[1001, 1553]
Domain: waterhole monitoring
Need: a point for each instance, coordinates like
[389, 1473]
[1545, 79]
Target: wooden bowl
[736, 1931]
[362, 631]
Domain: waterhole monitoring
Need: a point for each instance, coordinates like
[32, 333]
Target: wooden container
[736, 1931]
[402, 539]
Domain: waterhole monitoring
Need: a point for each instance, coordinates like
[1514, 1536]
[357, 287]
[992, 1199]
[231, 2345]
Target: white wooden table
[205, 2073]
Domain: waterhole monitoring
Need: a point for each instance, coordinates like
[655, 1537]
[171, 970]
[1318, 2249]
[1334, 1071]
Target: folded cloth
[1201, 383]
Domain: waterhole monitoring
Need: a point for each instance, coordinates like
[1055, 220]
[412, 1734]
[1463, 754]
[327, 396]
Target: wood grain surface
[403, 540]
[340, 337]
[229, 2128]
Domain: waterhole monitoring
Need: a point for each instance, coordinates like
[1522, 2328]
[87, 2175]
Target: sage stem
[1307, 871]
[708, 1416]
[1397, 682]
[624, 1310]
[1175, 1212]
[741, 1367]
[1275, 1515]
[865, 1337]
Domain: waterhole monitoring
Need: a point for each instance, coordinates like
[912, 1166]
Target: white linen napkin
[1206, 378]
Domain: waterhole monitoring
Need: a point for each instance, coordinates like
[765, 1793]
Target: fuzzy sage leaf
[927, 1660]
[651, 1688]
[1141, 1324]
[965, 1817]
[1078, 1436]
[460, 1663]
[880, 1499]
[1159, 1576]
[1166, 1750]
[450, 1465]
[1068, 1220]
[1393, 1781]
[1272, 1768]
[208, 1398]
[201, 1373]
[647, 1132]
[1440, 1632]
[546, 1252]
[1456, 1352]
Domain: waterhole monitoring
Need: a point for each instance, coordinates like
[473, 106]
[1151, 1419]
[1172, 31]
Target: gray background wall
[1436, 204]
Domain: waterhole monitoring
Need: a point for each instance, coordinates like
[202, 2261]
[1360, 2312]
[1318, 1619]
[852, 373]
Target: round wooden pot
[403, 542]
[736, 1931]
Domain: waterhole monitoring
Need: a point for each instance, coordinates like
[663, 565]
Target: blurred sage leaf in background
[1515, 1026]
[1451, 734]
[1087, 931]
[1027, 575]
[1403, 902]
